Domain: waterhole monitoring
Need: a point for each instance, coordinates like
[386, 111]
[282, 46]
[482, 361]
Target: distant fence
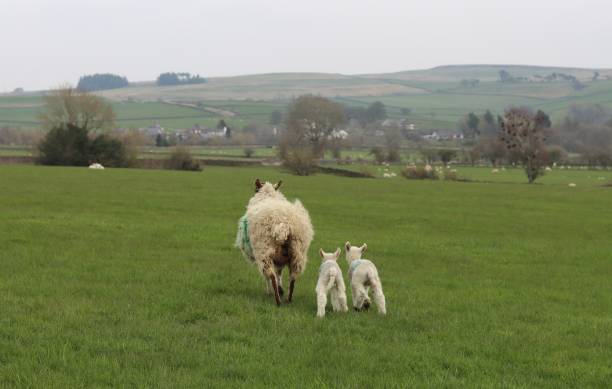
[159, 163]
[13, 160]
[144, 163]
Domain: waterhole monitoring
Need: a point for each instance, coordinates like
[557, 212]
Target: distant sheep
[96, 166]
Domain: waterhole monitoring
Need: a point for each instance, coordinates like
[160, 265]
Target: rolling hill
[432, 99]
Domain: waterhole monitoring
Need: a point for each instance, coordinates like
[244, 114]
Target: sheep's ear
[364, 248]
[321, 253]
[278, 184]
[347, 245]
[258, 185]
[337, 253]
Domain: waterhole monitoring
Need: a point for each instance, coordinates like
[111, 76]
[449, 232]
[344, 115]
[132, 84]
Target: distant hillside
[281, 86]
[452, 73]
[432, 99]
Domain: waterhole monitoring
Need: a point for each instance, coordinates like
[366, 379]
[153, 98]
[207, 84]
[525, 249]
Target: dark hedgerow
[70, 145]
[420, 172]
[181, 159]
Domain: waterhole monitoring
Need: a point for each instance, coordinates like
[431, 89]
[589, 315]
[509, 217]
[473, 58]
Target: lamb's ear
[258, 185]
[347, 245]
[321, 253]
[364, 248]
[337, 253]
[278, 184]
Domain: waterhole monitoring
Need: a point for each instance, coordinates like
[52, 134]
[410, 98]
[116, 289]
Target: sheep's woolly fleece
[271, 221]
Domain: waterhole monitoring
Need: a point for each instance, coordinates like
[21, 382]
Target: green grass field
[128, 278]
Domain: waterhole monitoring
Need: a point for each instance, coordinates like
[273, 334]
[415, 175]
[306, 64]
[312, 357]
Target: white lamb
[330, 281]
[363, 275]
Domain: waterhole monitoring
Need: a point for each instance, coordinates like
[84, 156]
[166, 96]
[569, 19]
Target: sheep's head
[259, 185]
[266, 190]
[329, 256]
[354, 252]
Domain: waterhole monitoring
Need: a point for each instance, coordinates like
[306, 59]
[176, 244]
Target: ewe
[275, 233]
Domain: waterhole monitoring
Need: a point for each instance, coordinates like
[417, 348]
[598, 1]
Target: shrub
[446, 155]
[420, 172]
[248, 152]
[451, 175]
[366, 171]
[378, 153]
[109, 152]
[181, 159]
[300, 161]
[70, 145]
[65, 145]
[393, 155]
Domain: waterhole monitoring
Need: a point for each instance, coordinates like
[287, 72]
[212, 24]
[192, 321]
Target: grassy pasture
[123, 277]
[588, 178]
[16, 151]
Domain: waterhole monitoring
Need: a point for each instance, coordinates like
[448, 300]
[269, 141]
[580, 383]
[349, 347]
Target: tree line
[167, 79]
[103, 81]
[95, 82]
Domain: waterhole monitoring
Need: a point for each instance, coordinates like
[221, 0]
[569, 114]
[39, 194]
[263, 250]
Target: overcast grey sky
[47, 42]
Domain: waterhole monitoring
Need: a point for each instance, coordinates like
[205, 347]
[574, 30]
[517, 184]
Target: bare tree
[492, 148]
[69, 106]
[312, 119]
[310, 122]
[523, 132]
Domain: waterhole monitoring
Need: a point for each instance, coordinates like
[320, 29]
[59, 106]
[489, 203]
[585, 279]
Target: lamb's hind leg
[341, 294]
[379, 297]
[335, 301]
[359, 296]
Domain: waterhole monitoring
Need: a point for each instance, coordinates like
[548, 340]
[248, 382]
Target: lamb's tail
[379, 297]
[332, 279]
[281, 232]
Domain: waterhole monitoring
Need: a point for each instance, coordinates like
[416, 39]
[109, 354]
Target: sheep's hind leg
[295, 269]
[291, 286]
[279, 277]
[267, 269]
[275, 287]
